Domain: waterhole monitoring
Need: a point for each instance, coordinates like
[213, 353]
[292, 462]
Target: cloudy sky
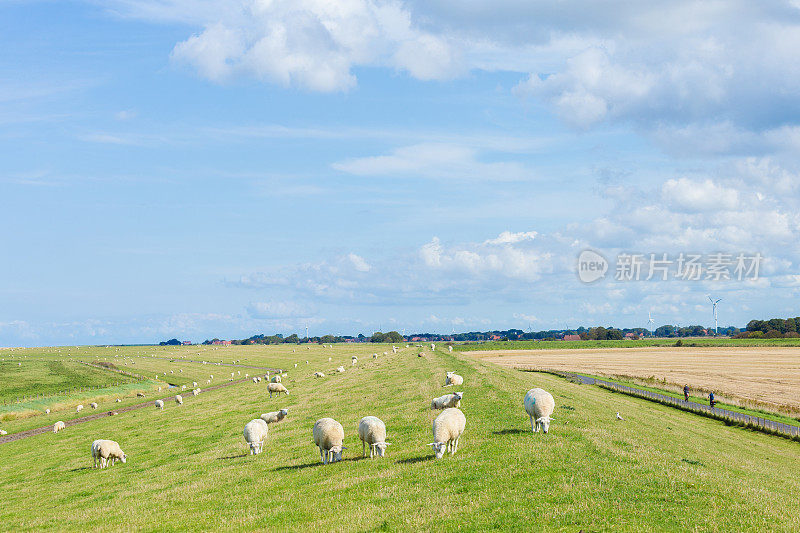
[230, 167]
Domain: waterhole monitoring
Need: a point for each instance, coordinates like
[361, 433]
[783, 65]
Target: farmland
[762, 377]
[188, 466]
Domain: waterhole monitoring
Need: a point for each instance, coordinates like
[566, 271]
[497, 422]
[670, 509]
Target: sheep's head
[380, 448]
[124, 458]
[438, 448]
[336, 453]
[459, 395]
[544, 422]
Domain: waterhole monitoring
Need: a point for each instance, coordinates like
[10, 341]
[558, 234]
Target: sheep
[450, 349]
[179, 399]
[306, 362]
[330, 359]
[319, 375]
[194, 384]
[183, 387]
[104, 450]
[372, 431]
[448, 400]
[619, 417]
[451, 378]
[447, 430]
[260, 379]
[140, 395]
[433, 347]
[160, 404]
[118, 400]
[277, 388]
[275, 379]
[255, 432]
[354, 360]
[195, 392]
[47, 411]
[79, 409]
[340, 369]
[374, 356]
[328, 436]
[3, 432]
[93, 405]
[255, 379]
[539, 405]
[58, 426]
[274, 416]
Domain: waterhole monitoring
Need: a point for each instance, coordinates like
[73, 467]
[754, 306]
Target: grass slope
[189, 470]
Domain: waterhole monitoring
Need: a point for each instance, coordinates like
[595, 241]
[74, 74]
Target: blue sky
[231, 167]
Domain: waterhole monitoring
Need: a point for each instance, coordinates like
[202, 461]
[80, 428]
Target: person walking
[686, 392]
[711, 400]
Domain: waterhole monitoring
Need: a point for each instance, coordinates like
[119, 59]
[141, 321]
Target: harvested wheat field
[765, 376]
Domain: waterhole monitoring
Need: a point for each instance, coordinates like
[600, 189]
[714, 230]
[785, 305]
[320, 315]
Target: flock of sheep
[328, 434]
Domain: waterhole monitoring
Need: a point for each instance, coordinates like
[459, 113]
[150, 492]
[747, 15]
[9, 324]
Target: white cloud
[435, 161]
[277, 310]
[359, 263]
[699, 196]
[508, 237]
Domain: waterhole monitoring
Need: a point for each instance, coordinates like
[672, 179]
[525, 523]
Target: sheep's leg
[323, 456]
[364, 449]
[455, 447]
[533, 428]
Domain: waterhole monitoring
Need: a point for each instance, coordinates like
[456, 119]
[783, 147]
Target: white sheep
[274, 416]
[47, 411]
[451, 378]
[319, 374]
[195, 392]
[255, 379]
[275, 379]
[104, 450]
[3, 432]
[448, 400]
[58, 426]
[354, 360]
[179, 399]
[93, 405]
[433, 347]
[160, 404]
[340, 369]
[372, 431]
[183, 387]
[539, 404]
[450, 349]
[79, 409]
[447, 430]
[194, 384]
[329, 436]
[277, 388]
[255, 432]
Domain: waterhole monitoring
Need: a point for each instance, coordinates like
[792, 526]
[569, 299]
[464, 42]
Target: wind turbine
[714, 310]
[650, 321]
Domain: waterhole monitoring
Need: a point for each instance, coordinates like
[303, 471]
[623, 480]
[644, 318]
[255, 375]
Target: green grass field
[189, 468]
[641, 343]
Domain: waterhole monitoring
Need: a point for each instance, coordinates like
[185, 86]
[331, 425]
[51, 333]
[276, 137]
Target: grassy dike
[188, 467]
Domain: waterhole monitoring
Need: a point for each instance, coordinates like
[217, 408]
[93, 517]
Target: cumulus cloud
[277, 310]
[698, 196]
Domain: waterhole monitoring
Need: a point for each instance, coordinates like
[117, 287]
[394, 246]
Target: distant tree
[393, 336]
[327, 339]
[171, 342]
[292, 339]
[378, 337]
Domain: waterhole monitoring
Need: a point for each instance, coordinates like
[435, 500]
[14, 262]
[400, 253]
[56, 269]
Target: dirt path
[765, 375]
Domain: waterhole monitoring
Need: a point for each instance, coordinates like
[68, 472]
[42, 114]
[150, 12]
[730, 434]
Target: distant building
[631, 335]
[572, 337]
[221, 343]
[187, 343]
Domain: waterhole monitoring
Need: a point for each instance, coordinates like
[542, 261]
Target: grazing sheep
[448, 400]
[306, 362]
[47, 411]
[328, 436]
[451, 378]
[195, 392]
[79, 409]
[372, 431]
[255, 432]
[277, 388]
[118, 400]
[113, 413]
[183, 387]
[140, 394]
[93, 405]
[330, 359]
[319, 375]
[447, 430]
[104, 450]
[340, 369]
[433, 347]
[274, 416]
[179, 399]
[539, 404]
[160, 404]
[255, 380]
[194, 384]
[58, 426]
[275, 379]
[3, 432]
[354, 360]
[450, 349]
[619, 417]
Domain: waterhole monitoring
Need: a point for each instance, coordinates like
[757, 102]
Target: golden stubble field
[768, 377]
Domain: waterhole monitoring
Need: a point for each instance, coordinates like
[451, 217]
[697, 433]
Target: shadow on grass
[414, 460]
[515, 431]
[298, 467]
[233, 456]
[81, 468]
